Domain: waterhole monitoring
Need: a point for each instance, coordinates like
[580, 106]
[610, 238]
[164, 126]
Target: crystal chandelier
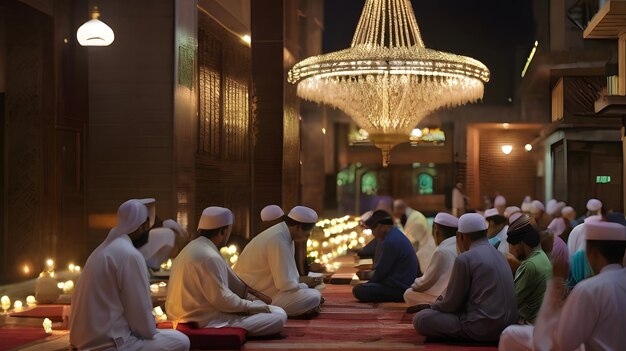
[387, 81]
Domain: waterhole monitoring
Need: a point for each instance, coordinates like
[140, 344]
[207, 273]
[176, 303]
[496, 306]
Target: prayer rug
[12, 338]
[53, 312]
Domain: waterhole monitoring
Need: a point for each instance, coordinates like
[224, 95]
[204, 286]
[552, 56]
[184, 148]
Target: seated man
[433, 283]
[594, 313]
[532, 275]
[111, 306]
[267, 264]
[205, 291]
[480, 297]
[415, 226]
[496, 231]
[397, 265]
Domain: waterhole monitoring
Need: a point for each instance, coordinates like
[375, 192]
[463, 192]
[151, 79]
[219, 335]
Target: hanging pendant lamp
[95, 32]
[388, 81]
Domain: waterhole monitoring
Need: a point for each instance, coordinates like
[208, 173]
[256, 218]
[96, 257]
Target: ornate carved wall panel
[223, 159]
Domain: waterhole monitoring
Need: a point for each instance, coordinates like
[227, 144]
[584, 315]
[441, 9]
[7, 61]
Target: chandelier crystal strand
[387, 81]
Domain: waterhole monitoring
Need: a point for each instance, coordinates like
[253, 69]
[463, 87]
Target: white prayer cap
[499, 201]
[551, 206]
[173, 225]
[594, 205]
[159, 246]
[526, 206]
[510, 210]
[567, 211]
[365, 216]
[130, 216]
[151, 205]
[605, 231]
[536, 206]
[215, 217]
[472, 222]
[594, 218]
[303, 214]
[515, 216]
[491, 212]
[399, 203]
[271, 212]
[447, 219]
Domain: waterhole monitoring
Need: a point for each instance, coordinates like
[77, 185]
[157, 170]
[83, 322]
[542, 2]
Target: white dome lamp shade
[95, 32]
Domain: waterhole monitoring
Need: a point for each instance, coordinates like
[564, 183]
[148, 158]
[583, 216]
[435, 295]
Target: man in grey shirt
[480, 298]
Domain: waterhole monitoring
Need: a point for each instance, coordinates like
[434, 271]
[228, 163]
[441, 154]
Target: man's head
[511, 210]
[499, 204]
[216, 224]
[132, 219]
[568, 213]
[300, 220]
[546, 236]
[522, 238]
[537, 209]
[606, 244]
[495, 220]
[472, 227]
[380, 223]
[399, 208]
[271, 212]
[594, 206]
[445, 226]
[150, 204]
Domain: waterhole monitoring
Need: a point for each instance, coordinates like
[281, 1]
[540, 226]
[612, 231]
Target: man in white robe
[594, 313]
[267, 264]
[428, 287]
[496, 232]
[204, 290]
[459, 200]
[415, 226]
[111, 306]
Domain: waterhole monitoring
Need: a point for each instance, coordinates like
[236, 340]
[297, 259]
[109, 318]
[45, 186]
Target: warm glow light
[247, 39]
[507, 149]
[416, 133]
[323, 130]
[505, 125]
[18, 305]
[26, 269]
[95, 32]
[528, 147]
[47, 326]
[71, 267]
[5, 303]
[30, 300]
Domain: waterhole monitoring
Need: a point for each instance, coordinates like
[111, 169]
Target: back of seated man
[433, 283]
[397, 265]
[480, 297]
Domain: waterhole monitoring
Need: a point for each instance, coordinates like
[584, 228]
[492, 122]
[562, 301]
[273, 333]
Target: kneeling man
[480, 298]
[397, 265]
[204, 290]
[267, 264]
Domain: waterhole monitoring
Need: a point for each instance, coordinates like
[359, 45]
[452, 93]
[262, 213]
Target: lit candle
[47, 326]
[30, 301]
[71, 267]
[17, 305]
[77, 269]
[154, 288]
[162, 284]
[68, 286]
[5, 303]
[61, 285]
[49, 265]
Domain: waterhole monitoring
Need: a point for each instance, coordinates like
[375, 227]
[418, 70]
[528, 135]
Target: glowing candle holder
[5, 303]
[30, 301]
[68, 286]
[47, 326]
[154, 288]
[18, 305]
[49, 265]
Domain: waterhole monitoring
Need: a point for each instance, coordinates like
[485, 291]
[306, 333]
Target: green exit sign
[603, 179]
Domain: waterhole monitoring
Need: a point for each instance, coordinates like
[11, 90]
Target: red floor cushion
[54, 312]
[210, 338]
[11, 338]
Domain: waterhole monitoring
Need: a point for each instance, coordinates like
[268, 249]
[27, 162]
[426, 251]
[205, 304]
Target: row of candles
[335, 237]
[67, 287]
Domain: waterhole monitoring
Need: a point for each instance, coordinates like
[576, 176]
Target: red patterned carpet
[346, 324]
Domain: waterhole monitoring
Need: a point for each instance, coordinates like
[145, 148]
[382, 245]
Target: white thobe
[503, 247]
[111, 306]
[267, 264]
[594, 315]
[416, 229]
[204, 289]
[576, 240]
[433, 283]
[157, 250]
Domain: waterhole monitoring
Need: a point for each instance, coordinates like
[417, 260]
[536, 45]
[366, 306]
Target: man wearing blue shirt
[397, 265]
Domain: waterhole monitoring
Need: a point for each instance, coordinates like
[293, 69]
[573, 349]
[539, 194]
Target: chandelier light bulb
[507, 149]
[95, 32]
[528, 147]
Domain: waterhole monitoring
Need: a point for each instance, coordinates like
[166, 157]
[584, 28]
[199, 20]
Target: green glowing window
[425, 184]
[369, 183]
[603, 179]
